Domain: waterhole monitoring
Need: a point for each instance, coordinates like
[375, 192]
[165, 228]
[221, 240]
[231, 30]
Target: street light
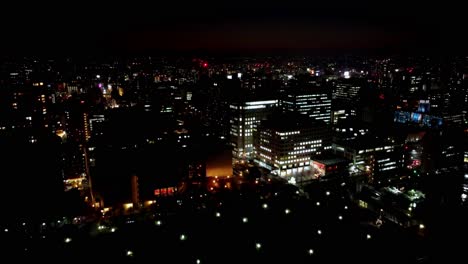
[311, 251]
[182, 237]
[287, 211]
[245, 220]
[258, 246]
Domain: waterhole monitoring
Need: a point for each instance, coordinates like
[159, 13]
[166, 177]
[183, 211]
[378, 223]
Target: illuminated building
[346, 95]
[245, 117]
[313, 102]
[96, 123]
[135, 191]
[338, 114]
[424, 117]
[286, 143]
[372, 156]
[86, 130]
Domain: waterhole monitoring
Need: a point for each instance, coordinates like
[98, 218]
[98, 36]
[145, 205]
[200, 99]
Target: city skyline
[234, 132]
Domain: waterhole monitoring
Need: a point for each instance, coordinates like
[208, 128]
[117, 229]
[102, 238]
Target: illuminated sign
[169, 191]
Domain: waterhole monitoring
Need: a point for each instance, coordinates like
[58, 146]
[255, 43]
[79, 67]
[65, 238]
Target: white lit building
[286, 144]
[245, 116]
[316, 103]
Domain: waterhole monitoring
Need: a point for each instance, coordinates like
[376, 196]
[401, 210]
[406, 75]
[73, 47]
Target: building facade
[245, 117]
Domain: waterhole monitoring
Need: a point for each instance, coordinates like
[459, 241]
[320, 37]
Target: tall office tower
[245, 116]
[346, 95]
[314, 102]
[285, 143]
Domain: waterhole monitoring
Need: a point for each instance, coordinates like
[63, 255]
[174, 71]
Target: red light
[82, 102]
[205, 64]
[382, 96]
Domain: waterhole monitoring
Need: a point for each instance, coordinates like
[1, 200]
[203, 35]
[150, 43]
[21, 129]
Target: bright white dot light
[368, 236]
[311, 251]
[198, 261]
[218, 214]
[182, 237]
[113, 230]
[158, 223]
[319, 232]
[265, 206]
[43, 224]
[68, 240]
[245, 220]
[129, 253]
[58, 221]
[287, 211]
[24, 224]
[421, 226]
[327, 193]
[6, 230]
[340, 217]
[346, 207]
[258, 245]
[317, 203]
[297, 192]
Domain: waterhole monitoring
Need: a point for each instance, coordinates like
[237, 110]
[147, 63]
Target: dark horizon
[239, 28]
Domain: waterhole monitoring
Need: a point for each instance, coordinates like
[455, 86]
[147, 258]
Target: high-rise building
[313, 102]
[286, 143]
[245, 116]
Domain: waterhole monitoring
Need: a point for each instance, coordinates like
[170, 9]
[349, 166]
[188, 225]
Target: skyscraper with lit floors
[245, 116]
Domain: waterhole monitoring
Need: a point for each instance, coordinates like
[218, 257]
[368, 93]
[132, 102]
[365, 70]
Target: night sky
[237, 26]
